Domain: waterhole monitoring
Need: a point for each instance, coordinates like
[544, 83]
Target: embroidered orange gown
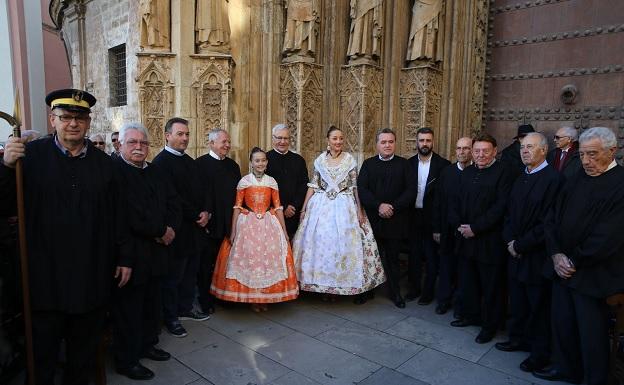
[257, 267]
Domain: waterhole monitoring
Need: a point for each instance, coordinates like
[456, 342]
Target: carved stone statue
[155, 16]
[212, 26]
[302, 20]
[426, 38]
[365, 33]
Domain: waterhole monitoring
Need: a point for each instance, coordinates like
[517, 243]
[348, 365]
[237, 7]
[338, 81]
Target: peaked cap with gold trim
[71, 99]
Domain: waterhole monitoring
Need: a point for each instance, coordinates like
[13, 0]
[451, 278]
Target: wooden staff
[15, 122]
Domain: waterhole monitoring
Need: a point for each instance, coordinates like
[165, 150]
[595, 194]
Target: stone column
[302, 97]
[211, 93]
[156, 95]
[361, 94]
[420, 99]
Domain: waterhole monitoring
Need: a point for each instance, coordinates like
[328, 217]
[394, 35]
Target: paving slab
[385, 376]
[226, 362]
[246, 327]
[170, 372]
[508, 362]
[306, 320]
[199, 336]
[201, 381]
[437, 368]
[294, 378]
[374, 314]
[449, 340]
[376, 346]
[319, 361]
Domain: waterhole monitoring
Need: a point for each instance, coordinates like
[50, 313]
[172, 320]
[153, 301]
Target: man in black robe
[71, 212]
[427, 166]
[584, 241]
[443, 232]
[478, 214]
[179, 284]
[564, 157]
[387, 190]
[152, 214]
[532, 195]
[291, 173]
[222, 174]
[511, 154]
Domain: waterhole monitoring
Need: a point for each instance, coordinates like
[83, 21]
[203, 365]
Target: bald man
[443, 233]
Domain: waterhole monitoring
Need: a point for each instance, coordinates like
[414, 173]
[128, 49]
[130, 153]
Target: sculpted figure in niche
[426, 38]
[302, 19]
[212, 26]
[365, 33]
[155, 24]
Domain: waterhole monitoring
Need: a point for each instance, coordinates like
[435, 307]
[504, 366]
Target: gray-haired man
[584, 241]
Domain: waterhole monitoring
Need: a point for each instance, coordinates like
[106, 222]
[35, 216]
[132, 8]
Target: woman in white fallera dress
[334, 248]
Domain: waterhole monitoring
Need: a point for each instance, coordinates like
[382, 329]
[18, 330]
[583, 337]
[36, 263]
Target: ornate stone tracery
[210, 96]
[156, 99]
[302, 95]
[421, 97]
[361, 94]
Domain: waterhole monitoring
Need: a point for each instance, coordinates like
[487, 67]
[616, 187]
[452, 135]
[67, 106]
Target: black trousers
[423, 252]
[447, 280]
[136, 313]
[208, 257]
[389, 253]
[477, 280]
[82, 334]
[580, 331]
[530, 316]
[179, 286]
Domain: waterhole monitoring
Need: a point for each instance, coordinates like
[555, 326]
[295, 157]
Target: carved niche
[210, 96]
[302, 96]
[156, 96]
[421, 97]
[480, 29]
[361, 88]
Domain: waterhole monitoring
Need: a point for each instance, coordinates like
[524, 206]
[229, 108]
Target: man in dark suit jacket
[426, 166]
[564, 157]
[511, 154]
[386, 188]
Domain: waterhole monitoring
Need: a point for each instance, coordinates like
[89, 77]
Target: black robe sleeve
[367, 198]
[493, 215]
[408, 196]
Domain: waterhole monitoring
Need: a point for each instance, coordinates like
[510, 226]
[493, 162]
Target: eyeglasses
[280, 138]
[134, 142]
[99, 143]
[557, 137]
[80, 119]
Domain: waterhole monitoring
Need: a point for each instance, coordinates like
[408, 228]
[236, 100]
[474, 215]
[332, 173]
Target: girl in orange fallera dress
[255, 265]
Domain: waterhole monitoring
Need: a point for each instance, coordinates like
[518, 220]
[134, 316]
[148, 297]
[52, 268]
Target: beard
[424, 150]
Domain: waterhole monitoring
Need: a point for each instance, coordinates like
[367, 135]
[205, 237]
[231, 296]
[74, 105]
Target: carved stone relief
[210, 96]
[361, 88]
[302, 96]
[421, 97]
[156, 97]
[479, 64]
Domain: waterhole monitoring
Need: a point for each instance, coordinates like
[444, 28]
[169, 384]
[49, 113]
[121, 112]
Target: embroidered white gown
[333, 253]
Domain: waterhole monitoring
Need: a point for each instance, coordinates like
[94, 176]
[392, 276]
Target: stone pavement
[313, 342]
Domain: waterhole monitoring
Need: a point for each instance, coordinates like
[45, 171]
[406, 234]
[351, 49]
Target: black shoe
[136, 372]
[485, 336]
[155, 354]
[425, 299]
[442, 308]
[550, 373]
[176, 329]
[531, 365]
[511, 346]
[193, 315]
[399, 302]
[208, 309]
[463, 322]
[360, 299]
[412, 295]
